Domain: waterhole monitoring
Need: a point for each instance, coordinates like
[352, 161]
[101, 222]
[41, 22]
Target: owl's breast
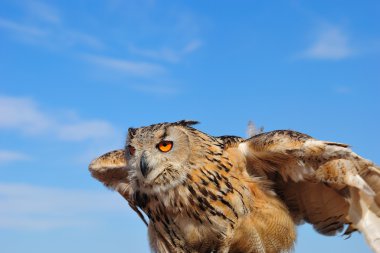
[208, 204]
[211, 203]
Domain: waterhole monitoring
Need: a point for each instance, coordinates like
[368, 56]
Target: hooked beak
[144, 167]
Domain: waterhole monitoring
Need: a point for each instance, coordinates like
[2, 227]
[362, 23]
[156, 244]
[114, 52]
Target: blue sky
[74, 75]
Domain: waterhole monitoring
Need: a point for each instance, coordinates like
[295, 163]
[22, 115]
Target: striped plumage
[229, 194]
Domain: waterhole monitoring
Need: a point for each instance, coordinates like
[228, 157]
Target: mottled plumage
[228, 194]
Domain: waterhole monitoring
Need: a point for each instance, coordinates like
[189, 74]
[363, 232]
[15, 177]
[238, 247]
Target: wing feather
[323, 183]
[110, 169]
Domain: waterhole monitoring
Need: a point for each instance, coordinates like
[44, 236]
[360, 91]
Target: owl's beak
[144, 166]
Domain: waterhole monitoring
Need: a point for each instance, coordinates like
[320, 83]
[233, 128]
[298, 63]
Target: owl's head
[158, 156]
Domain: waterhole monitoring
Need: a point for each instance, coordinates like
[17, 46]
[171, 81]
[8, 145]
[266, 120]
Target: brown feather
[323, 183]
[110, 169]
[227, 194]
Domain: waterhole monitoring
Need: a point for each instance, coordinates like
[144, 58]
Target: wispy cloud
[51, 35]
[156, 89]
[20, 28]
[7, 156]
[126, 66]
[83, 130]
[43, 11]
[167, 54]
[72, 38]
[25, 206]
[43, 24]
[23, 114]
[344, 90]
[192, 46]
[331, 43]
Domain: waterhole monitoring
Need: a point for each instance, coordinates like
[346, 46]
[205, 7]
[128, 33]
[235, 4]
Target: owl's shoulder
[229, 141]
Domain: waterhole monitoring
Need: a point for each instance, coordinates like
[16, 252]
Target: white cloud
[155, 89]
[331, 44]
[7, 156]
[45, 27]
[71, 38]
[167, 54]
[19, 28]
[51, 35]
[22, 114]
[43, 11]
[85, 130]
[25, 206]
[192, 46]
[343, 90]
[126, 66]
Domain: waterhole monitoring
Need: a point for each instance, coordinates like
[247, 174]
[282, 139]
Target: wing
[110, 169]
[323, 183]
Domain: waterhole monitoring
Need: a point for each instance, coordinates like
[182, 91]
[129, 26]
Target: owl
[229, 194]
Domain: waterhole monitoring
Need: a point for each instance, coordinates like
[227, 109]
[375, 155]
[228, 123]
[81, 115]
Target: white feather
[243, 147]
[358, 182]
[364, 219]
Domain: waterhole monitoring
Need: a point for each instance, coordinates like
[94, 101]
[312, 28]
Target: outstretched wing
[323, 183]
[110, 169]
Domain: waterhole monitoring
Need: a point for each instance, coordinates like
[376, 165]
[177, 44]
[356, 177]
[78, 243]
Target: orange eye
[131, 150]
[165, 146]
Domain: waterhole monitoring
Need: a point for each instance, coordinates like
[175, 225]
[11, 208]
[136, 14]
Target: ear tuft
[131, 132]
[186, 122]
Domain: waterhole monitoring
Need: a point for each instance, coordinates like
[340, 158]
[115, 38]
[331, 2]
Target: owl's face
[158, 155]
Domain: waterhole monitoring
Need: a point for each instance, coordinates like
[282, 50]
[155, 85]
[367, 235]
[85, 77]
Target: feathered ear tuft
[186, 122]
[131, 132]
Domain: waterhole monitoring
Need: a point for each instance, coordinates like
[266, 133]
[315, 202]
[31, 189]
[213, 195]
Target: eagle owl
[228, 194]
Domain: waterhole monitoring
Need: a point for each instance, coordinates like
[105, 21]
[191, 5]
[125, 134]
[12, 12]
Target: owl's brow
[164, 134]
